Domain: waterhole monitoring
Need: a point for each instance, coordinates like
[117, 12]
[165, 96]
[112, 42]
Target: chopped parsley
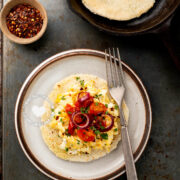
[59, 112]
[106, 112]
[87, 109]
[116, 107]
[97, 96]
[115, 129]
[61, 120]
[84, 110]
[52, 109]
[93, 128]
[96, 103]
[82, 83]
[106, 105]
[66, 133]
[66, 149]
[102, 127]
[97, 132]
[63, 98]
[78, 141]
[77, 78]
[69, 112]
[104, 136]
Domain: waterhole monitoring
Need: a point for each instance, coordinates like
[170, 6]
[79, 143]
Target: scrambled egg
[72, 144]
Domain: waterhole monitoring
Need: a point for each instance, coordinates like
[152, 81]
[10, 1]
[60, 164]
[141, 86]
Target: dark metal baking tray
[145, 54]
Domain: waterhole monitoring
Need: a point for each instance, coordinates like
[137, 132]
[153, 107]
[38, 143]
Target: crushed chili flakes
[24, 21]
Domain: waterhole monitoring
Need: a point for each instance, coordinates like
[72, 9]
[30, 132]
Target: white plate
[39, 84]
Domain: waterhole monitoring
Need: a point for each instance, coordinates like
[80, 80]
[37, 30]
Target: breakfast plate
[28, 111]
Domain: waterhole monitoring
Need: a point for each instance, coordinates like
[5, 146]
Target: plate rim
[42, 66]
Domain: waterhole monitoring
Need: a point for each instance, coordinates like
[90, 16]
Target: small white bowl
[6, 9]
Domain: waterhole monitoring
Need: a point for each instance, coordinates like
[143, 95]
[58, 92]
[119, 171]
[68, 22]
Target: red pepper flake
[24, 21]
[57, 117]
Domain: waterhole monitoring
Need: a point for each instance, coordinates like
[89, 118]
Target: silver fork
[115, 79]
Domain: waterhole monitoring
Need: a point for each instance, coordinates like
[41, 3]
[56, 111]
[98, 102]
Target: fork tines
[114, 72]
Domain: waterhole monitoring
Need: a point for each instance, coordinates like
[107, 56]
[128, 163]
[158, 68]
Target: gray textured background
[145, 54]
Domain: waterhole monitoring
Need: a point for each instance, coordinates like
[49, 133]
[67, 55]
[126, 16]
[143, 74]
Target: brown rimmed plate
[37, 87]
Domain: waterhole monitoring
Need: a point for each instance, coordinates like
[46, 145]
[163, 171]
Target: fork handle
[128, 157]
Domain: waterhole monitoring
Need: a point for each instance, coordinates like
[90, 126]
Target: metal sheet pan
[145, 54]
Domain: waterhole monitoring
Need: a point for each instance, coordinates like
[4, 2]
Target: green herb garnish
[82, 83]
[115, 129]
[106, 112]
[97, 96]
[102, 127]
[84, 110]
[66, 133]
[116, 107]
[78, 141]
[66, 149]
[96, 103]
[52, 109]
[63, 98]
[77, 78]
[104, 136]
[61, 120]
[106, 105]
[69, 112]
[59, 112]
[93, 128]
[87, 109]
[97, 132]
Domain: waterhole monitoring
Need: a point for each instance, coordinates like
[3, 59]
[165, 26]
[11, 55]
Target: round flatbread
[51, 136]
[120, 10]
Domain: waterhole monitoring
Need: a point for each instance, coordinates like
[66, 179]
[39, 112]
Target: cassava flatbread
[119, 9]
[50, 135]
